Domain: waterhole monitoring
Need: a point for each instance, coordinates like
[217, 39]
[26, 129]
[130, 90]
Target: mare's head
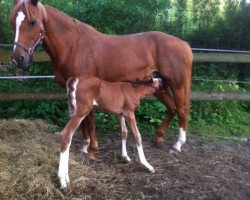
[27, 21]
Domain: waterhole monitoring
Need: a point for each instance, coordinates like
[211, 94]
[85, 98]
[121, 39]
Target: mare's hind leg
[86, 137]
[167, 99]
[90, 144]
[124, 135]
[182, 112]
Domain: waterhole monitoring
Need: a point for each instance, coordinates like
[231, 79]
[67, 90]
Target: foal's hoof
[151, 170]
[173, 150]
[126, 159]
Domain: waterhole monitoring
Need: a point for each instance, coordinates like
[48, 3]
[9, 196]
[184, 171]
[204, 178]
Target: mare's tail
[188, 86]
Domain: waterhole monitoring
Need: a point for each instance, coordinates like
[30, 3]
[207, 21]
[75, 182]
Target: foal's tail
[71, 94]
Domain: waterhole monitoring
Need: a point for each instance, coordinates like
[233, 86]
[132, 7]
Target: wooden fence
[60, 96]
[198, 57]
[225, 56]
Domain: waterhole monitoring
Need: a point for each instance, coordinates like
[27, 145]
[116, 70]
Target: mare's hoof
[88, 161]
[159, 145]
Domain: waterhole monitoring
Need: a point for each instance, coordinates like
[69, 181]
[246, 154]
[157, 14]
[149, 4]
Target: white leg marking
[85, 146]
[181, 140]
[143, 159]
[124, 139]
[63, 171]
[95, 103]
[20, 17]
[124, 151]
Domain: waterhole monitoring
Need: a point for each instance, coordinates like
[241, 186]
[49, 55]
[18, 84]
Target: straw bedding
[206, 169]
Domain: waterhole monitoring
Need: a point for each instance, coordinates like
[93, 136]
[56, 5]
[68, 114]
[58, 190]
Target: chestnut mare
[120, 98]
[78, 49]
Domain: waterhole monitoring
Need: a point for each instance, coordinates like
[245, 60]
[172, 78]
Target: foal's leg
[124, 135]
[66, 137]
[167, 99]
[130, 117]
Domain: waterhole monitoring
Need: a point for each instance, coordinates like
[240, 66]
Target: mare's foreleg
[130, 117]
[167, 99]
[66, 138]
[90, 144]
[124, 135]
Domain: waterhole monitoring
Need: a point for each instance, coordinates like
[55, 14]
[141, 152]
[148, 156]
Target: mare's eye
[32, 23]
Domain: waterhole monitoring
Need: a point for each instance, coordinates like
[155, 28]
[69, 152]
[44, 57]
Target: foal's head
[147, 86]
[27, 21]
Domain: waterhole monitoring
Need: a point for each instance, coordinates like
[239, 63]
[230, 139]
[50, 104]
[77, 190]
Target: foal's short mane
[38, 12]
[138, 83]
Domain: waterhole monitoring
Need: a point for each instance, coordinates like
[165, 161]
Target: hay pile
[29, 154]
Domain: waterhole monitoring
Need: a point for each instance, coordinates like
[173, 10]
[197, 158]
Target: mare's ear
[34, 2]
[16, 1]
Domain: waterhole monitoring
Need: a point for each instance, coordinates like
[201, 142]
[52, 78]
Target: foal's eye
[32, 23]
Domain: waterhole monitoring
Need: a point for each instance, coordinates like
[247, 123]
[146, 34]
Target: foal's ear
[16, 1]
[34, 2]
[150, 79]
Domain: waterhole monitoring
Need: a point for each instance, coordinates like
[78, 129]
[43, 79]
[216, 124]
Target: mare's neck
[63, 34]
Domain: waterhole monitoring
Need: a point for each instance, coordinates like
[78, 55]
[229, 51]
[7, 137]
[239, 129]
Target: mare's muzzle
[22, 58]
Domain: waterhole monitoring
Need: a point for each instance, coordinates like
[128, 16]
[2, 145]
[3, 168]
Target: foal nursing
[120, 98]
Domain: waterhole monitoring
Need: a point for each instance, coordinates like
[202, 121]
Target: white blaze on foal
[20, 17]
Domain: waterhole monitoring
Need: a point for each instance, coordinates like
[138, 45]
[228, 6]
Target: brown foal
[119, 98]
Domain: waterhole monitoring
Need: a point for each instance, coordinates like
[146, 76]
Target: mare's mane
[38, 12]
[85, 28]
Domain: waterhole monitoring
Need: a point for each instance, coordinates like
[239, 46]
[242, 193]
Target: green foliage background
[203, 23]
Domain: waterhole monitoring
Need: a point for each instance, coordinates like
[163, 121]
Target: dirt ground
[205, 169]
